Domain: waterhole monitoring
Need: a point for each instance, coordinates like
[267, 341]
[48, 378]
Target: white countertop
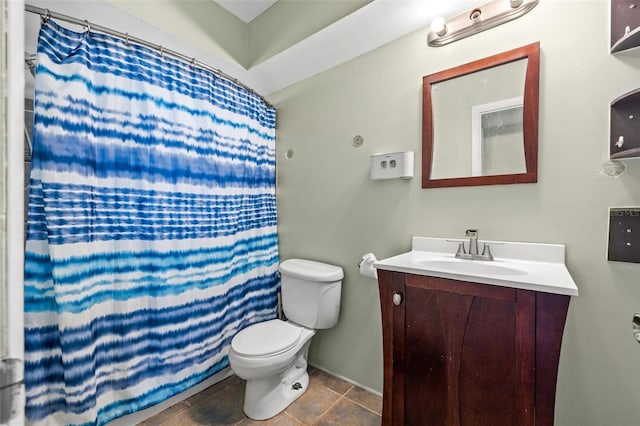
[528, 266]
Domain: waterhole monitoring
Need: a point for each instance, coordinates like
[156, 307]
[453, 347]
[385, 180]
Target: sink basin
[470, 267]
[527, 266]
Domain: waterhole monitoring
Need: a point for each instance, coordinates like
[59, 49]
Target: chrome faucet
[473, 252]
[472, 234]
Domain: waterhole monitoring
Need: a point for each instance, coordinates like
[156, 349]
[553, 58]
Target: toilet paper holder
[365, 266]
[369, 257]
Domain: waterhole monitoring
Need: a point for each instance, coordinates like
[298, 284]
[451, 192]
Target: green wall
[330, 211]
[204, 24]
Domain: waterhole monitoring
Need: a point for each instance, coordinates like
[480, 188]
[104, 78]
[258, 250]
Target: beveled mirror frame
[530, 118]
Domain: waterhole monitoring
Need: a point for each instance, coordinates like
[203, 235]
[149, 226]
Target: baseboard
[140, 416]
[346, 379]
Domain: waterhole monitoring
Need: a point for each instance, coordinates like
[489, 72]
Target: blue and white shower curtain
[151, 228]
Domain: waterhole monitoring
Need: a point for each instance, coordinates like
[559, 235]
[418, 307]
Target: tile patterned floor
[327, 401]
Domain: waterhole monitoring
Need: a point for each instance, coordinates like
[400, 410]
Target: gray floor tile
[220, 405]
[335, 384]
[363, 397]
[328, 401]
[348, 413]
[316, 400]
[282, 419]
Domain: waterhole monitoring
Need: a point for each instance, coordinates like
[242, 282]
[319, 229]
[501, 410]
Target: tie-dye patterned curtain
[151, 229]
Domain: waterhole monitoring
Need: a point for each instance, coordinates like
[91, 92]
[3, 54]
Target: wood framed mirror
[480, 121]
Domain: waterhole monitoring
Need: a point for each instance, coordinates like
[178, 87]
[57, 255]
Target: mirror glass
[481, 132]
[480, 121]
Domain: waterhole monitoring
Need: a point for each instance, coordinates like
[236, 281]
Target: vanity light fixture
[476, 20]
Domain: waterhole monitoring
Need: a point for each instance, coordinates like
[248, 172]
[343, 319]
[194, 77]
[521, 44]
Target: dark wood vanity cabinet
[461, 353]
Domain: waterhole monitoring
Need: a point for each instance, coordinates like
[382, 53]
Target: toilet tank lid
[311, 270]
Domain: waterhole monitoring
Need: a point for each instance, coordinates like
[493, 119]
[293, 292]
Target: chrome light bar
[476, 20]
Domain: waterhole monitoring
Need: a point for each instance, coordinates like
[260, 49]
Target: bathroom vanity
[472, 342]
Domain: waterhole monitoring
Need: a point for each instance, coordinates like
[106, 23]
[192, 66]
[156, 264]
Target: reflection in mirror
[480, 121]
[469, 114]
[497, 139]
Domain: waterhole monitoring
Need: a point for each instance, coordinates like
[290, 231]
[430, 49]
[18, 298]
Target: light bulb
[439, 26]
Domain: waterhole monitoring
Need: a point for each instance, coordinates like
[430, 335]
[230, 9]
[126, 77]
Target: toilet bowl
[272, 355]
[275, 369]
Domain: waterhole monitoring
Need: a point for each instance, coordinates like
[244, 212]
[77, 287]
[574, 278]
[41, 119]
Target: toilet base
[266, 397]
[273, 382]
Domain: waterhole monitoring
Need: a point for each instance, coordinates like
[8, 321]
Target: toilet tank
[311, 292]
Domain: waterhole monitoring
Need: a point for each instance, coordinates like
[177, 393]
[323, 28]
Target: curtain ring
[161, 50]
[126, 38]
[46, 16]
[193, 62]
[88, 26]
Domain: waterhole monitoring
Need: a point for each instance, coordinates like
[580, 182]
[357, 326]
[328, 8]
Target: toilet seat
[264, 339]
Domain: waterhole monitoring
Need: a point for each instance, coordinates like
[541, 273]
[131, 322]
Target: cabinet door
[467, 353]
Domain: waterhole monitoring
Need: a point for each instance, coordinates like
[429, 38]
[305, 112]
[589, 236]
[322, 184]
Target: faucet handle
[486, 251]
[461, 249]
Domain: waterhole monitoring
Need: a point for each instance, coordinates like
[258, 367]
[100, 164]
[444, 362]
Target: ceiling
[266, 44]
[246, 10]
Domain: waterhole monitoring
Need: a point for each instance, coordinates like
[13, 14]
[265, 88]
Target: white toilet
[272, 355]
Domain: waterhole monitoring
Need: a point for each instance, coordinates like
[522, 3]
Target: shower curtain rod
[47, 14]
